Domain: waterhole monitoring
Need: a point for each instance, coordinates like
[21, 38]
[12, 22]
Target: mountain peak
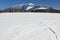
[30, 4]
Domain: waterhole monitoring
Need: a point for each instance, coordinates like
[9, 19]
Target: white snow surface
[29, 26]
[41, 8]
[30, 5]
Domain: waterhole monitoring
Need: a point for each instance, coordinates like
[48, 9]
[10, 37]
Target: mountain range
[29, 8]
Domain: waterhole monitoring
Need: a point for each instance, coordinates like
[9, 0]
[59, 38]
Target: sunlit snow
[29, 26]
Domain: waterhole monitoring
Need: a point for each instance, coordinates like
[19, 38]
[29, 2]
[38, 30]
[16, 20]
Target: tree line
[50, 10]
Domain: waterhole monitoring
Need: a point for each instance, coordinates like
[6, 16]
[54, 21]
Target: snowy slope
[17, 6]
[30, 6]
[23, 6]
[32, 26]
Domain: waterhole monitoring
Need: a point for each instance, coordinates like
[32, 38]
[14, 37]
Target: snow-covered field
[29, 26]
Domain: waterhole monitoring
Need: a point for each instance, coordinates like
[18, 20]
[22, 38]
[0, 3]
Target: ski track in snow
[33, 26]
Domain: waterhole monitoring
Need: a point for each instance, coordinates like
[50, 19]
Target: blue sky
[48, 3]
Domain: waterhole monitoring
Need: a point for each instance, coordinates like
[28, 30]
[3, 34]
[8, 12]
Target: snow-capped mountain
[41, 7]
[30, 8]
[18, 6]
[27, 6]
[23, 6]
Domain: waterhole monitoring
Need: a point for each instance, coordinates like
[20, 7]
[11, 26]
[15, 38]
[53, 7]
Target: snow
[42, 7]
[18, 6]
[30, 5]
[29, 26]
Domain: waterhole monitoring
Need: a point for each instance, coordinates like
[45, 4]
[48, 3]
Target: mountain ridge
[30, 8]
